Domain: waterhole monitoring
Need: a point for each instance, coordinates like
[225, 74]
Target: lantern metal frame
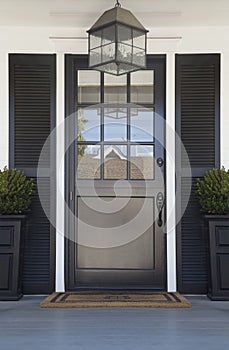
[117, 23]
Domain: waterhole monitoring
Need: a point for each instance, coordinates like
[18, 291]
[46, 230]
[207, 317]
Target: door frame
[72, 62]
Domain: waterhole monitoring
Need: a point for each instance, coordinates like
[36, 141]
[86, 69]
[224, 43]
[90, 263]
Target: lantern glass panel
[95, 39]
[108, 35]
[124, 53]
[124, 35]
[108, 52]
[95, 56]
[139, 57]
[139, 39]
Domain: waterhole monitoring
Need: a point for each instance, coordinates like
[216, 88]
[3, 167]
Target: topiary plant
[213, 191]
[15, 191]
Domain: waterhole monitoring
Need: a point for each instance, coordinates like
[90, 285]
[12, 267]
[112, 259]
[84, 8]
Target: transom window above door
[115, 125]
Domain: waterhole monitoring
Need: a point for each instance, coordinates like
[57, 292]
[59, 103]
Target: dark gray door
[119, 180]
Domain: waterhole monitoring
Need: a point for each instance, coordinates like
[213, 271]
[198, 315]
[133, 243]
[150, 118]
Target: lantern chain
[117, 4]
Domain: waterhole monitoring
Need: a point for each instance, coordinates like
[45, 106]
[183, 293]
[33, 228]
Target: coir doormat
[115, 299]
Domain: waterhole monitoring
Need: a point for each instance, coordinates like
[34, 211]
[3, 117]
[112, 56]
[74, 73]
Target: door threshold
[116, 289]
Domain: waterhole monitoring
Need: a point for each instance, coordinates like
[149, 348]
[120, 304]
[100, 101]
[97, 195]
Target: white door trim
[170, 180]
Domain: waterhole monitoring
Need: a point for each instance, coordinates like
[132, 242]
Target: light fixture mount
[117, 42]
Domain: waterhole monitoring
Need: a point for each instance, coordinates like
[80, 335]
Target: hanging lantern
[117, 42]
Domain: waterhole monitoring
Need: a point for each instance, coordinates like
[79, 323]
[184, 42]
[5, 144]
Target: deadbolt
[160, 162]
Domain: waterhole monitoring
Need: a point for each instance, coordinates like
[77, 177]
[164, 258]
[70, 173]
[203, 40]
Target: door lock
[160, 162]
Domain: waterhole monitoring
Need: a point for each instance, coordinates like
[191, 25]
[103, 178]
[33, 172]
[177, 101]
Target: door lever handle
[160, 205]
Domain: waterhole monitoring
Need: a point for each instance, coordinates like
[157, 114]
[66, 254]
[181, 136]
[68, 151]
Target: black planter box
[10, 256]
[219, 256]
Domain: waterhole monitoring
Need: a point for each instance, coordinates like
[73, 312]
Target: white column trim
[4, 109]
[170, 171]
[224, 106]
[60, 178]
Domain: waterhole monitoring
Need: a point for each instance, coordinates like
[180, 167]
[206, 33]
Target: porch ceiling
[81, 14]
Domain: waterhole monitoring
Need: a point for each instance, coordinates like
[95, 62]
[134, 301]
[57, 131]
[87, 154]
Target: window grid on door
[96, 119]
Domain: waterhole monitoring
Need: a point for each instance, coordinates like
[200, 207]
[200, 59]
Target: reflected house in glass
[115, 162]
[117, 42]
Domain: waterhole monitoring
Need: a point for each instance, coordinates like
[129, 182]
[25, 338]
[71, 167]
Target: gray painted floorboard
[24, 326]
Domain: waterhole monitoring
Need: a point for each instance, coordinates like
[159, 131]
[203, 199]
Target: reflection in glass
[88, 86]
[115, 89]
[115, 124]
[88, 124]
[142, 87]
[115, 111]
[89, 159]
[141, 162]
[115, 162]
[142, 125]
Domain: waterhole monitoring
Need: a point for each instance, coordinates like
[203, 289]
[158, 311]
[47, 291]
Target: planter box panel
[10, 251]
[6, 236]
[5, 271]
[223, 263]
[219, 256]
[222, 236]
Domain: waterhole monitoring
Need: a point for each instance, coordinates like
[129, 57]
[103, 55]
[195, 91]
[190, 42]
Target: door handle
[160, 205]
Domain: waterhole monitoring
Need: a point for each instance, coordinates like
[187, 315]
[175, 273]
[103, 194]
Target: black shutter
[197, 122]
[32, 117]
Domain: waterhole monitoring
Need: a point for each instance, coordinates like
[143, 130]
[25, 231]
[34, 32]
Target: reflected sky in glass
[142, 125]
[89, 124]
[115, 124]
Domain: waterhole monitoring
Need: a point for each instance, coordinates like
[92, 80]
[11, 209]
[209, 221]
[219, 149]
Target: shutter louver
[197, 84]
[197, 119]
[32, 112]
[32, 116]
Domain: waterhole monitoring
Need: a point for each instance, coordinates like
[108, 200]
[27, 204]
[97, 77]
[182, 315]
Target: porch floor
[24, 326]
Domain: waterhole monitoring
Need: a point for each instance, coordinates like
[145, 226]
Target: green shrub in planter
[15, 191]
[213, 192]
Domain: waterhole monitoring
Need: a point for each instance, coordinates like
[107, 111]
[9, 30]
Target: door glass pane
[115, 89]
[89, 160]
[115, 124]
[141, 162]
[142, 124]
[115, 162]
[89, 124]
[142, 87]
[88, 86]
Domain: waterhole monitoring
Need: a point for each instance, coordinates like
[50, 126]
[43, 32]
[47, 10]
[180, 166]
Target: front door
[119, 239]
